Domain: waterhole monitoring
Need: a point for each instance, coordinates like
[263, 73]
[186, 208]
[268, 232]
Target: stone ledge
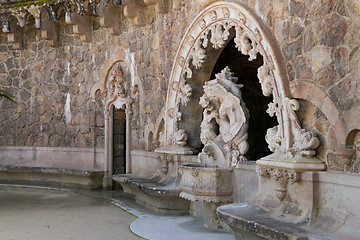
[51, 177]
[148, 186]
[249, 220]
[161, 198]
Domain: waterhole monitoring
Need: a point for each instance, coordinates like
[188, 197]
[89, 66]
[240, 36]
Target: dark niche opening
[255, 101]
[119, 141]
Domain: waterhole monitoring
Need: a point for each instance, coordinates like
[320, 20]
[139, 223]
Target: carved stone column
[128, 113]
[107, 180]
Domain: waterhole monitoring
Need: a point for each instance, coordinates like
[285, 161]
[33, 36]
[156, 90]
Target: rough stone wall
[319, 41]
[42, 77]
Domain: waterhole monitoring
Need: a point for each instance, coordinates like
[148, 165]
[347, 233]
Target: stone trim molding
[252, 37]
[310, 92]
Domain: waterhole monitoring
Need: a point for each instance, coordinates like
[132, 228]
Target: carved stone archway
[293, 147]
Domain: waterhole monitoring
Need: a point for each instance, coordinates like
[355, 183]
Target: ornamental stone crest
[115, 90]
[225, 121]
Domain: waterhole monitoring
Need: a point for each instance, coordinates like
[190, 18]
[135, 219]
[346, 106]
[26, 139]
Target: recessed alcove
[246, 71]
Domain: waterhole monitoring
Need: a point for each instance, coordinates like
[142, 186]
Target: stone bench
[54, 177]
[52, 166]
[331, 211]
[151, 193]
[249, 222]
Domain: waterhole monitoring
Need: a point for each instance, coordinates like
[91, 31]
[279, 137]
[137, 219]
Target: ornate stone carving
[264, 172]
[199, 183]
[282, 178]
[273, 138]
[252, 37]
[116, 90]
[246, 44]
[180, 137]
[305, 143]
[272, 108]
[185, 94]
[219, 34]
[225, 121]
[198, 55]
[266, 80]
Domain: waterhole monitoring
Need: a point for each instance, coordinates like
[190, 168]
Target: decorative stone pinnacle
[226, 74]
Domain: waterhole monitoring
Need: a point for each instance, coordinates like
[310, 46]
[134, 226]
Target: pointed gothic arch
[293, 146]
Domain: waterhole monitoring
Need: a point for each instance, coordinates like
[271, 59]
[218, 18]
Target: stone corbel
[49, 31]
[36, 13]
[135, 10]
[161, 6]
[110, 17]
[5, 25]
[82, 25]
[21, 16]
[282, 177]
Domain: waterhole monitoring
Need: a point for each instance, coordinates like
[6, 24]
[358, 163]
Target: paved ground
[44, 214]
[39, 214]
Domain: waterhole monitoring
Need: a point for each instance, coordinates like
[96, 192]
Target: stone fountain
[208, 183]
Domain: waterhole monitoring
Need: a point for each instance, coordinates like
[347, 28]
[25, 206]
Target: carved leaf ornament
[212, 27]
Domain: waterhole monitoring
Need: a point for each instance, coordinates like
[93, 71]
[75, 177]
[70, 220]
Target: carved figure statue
[225, 121]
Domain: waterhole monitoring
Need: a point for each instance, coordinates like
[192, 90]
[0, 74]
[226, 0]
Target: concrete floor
[28, 213]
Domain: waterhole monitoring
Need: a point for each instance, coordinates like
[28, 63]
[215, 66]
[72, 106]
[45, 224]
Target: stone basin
[206, 184]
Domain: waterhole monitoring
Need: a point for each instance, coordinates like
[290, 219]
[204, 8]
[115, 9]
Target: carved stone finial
[226, 74]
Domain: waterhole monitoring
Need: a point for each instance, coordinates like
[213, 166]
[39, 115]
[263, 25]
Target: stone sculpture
[225, 122]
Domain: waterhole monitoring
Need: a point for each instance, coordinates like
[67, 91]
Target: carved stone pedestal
[207, 188]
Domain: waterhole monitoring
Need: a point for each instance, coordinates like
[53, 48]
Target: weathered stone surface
[321, 8]
[319, 40]
[333, 30]
[282, 29]
[296, 8]
[320, 58]
[344, 93]
[292, 49]
[302, 69]
[342, 61]
[327, 77]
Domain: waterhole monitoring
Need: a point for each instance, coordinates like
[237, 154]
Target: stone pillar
[128, 112]
[107, 180]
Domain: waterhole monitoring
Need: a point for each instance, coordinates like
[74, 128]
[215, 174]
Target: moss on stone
[23, 4]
